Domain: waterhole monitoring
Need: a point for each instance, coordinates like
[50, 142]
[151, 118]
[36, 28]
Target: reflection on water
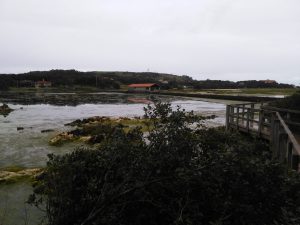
[73, 99]
[13, 207]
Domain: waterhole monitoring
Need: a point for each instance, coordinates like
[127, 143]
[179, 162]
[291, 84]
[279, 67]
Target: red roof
[142, 85]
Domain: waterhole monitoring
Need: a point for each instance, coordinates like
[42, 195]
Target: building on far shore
[43, 83]
[148, 87]
[269, 81]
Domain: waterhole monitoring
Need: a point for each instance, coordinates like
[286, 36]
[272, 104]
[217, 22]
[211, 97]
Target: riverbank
[81, 95]
[12, 175]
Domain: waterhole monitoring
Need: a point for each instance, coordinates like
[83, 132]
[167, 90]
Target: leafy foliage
[3, 85]
[181, 173]
[290, 102]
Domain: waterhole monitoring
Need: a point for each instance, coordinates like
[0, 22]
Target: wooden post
[288, 116]
[248, 117]
[274, 136]
[295, 162]
[237, 117]
[243, 115]
[277, 139]
[252, 115]
[282, 146]
[290, 155]
[231, 114]
[227, 116]
[260, 118]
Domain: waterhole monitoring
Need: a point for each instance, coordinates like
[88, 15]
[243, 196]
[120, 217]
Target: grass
[270, 91]
[244, 91]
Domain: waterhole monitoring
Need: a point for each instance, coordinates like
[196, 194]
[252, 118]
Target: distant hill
[113, 80]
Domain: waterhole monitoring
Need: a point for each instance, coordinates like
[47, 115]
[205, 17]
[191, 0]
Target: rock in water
[5, 110]
[47, 131]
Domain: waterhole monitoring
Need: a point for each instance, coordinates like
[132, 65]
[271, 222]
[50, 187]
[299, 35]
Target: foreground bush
[181, 173]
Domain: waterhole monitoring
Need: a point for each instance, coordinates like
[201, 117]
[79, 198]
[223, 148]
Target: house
[148, 87]
[43, 83]
[268, 81]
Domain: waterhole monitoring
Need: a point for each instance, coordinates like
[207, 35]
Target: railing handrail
[269, 124]
[247, 103]
[289, 133]
[272, 108]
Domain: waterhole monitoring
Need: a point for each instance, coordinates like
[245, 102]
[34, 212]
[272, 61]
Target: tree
[181, 173]
[3, 86]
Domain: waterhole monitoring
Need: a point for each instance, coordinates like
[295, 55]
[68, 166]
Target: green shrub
[290, 102]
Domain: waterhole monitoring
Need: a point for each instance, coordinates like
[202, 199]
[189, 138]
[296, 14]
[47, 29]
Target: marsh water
[23, 144]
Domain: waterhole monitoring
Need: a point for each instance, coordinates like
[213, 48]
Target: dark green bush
[181, 173]
[290, 102]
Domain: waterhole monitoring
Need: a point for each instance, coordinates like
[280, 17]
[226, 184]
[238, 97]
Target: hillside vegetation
[113, 80]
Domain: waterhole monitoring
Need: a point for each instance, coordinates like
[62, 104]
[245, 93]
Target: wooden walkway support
[279, 126]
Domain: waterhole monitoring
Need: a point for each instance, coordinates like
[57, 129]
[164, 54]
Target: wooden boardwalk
[281, 127]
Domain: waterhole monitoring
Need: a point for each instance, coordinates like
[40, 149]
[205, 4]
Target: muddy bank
[222, 97]
[94, 130]
[120, 97]
[71, 99]
[14, 174]
[97, 129]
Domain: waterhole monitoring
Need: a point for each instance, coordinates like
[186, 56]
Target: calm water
[29, 147]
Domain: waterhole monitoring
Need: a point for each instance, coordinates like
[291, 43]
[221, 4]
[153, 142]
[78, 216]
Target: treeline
[220, 84]
[58, 78]
[113, 80]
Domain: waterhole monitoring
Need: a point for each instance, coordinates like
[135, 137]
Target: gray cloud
[215, 39]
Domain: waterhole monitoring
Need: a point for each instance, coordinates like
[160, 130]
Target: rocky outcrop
[5, 110]
[62, 138]
[12, 176]
[96, 129]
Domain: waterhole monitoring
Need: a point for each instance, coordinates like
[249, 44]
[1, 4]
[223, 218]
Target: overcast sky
[214, 39]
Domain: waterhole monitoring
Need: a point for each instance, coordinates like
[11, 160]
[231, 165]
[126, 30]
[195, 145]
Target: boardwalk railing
[275, 125]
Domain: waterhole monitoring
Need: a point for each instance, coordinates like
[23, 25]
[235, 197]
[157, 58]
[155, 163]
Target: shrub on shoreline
[290, 102]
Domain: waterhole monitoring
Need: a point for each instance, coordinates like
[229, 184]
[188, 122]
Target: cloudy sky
[214, 39]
